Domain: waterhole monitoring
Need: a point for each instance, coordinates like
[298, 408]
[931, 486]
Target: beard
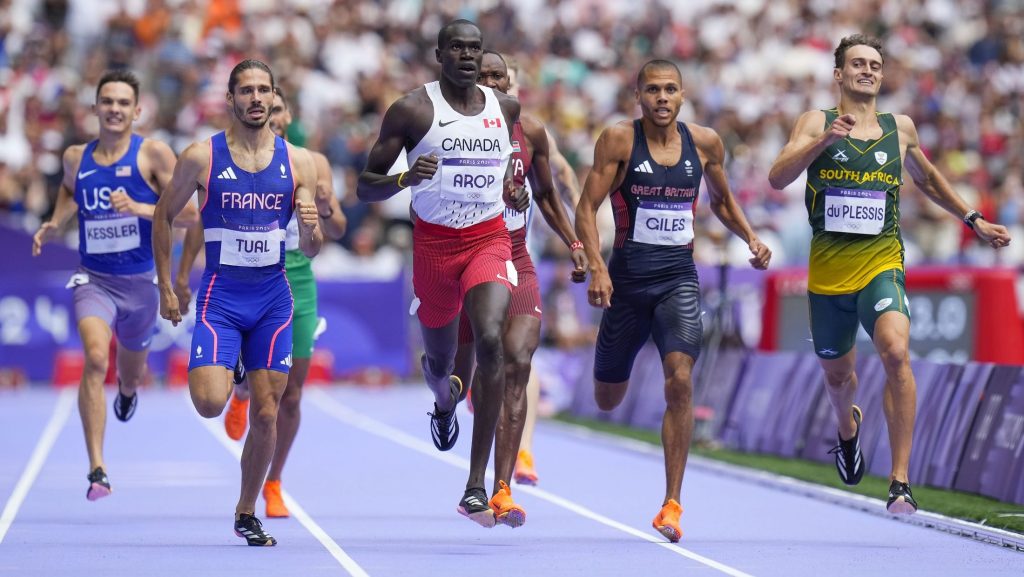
[240, 114]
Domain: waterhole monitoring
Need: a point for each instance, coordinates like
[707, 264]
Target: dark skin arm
[516, 198]
[723, 203]
[405, 123]
[544, 195]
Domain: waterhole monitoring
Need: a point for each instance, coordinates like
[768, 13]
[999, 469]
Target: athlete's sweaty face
[460, 56]
[493, 73]
[861, 72]
[252, 97]
[280, 117]
[116, 107]
[660, 96]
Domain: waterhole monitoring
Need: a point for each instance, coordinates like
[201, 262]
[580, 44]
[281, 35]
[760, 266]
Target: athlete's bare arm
[310, 236]
[195, 161]
[544, 194]
[937, 188]
[405, 123]
[807, 141]
[194, 242]
[723, 203]
[611, 153]
[156, 163]
[563, 175]
[516, 198]
[332, 219]
[66, 207]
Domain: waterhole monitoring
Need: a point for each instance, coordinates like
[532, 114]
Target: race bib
[107, 235]
[472, 179]
[291, 234]
[854, 211]
[665, 223]
[514, 220]
[251, 245]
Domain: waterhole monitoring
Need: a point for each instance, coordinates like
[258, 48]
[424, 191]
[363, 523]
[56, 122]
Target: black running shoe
[251, 529]
[99, 485]
[239, 374]
[901, 500]
[849, 459]
[444, 425]
[124, 407]
[474, 506]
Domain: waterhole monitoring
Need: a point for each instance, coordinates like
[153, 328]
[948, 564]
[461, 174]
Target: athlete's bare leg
[92, 401]
[487, 307]
[265, 389]
[841, 386]
[289, 416]
[892, 340]
[520, 341]
[677, 425]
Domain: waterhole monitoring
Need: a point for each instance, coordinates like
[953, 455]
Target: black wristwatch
[971, 216]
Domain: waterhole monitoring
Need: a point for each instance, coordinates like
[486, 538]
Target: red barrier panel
[958, 314]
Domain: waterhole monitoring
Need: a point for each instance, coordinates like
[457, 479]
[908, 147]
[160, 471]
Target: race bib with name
[854, 211]
[107, 235]
[251, 245]
[472, 179]
[665, 223]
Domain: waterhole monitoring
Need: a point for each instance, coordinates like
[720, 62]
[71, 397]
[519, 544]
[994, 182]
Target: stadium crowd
[749, 68]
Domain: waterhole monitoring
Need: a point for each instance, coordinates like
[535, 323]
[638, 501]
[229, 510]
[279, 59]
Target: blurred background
[750, 67]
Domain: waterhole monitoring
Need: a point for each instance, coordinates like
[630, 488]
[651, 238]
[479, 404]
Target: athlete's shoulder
[622, 132]
[413, 101]
[532, 127]
[197, 155]
[153, 147]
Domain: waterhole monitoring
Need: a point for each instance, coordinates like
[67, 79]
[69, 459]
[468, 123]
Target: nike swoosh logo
[442, 124]
[86, 173]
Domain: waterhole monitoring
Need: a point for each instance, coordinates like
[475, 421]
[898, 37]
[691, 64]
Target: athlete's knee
[291, 401]
[265, 416]
[679, 390]
[895, 355]
[207, 408]
[97, 359]
[609, 395]
[489, 347]
[517, 365]
[838, 378]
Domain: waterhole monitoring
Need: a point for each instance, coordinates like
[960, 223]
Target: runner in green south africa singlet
[853, 205]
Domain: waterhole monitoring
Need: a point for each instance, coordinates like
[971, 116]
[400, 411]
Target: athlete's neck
[660, 135]
[111, 146]
[463, 99]
[247, 139]
[863, 109]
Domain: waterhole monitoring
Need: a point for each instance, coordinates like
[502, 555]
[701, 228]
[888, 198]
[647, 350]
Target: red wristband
[576, 245]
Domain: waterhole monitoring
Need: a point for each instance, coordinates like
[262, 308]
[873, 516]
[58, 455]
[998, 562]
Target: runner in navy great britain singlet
[248, 180]
[112, 184]
[654, 167]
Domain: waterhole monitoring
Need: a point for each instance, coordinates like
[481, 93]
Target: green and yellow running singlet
[853, 205]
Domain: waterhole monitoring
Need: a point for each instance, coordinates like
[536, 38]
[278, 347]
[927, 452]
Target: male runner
[459, 140]
[112, 184]
[854, 156]
[248, 179]
[299, 270]
[653, 167]
[522, 330]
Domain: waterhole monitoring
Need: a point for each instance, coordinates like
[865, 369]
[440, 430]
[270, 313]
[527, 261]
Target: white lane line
[35, 463]
[334, 408]
[216, 428]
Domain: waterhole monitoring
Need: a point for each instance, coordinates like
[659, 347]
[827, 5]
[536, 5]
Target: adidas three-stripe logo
[228, 174]
[644, 166]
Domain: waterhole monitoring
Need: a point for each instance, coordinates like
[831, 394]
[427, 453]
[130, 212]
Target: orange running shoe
[275, 503]
[667, 521]
[505, 510]
[525, 474]
[237, 417]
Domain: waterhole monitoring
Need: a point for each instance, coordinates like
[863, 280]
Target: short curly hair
[856, 40]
